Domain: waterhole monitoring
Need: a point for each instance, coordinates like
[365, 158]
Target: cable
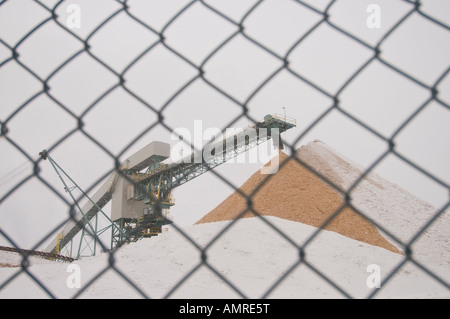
[14, 174]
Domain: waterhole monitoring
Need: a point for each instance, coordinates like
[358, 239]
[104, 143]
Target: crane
[141, 189]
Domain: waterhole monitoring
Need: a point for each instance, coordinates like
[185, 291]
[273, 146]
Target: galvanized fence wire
[415, 9]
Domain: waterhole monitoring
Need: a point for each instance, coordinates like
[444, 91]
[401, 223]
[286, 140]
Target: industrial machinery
[141, 189]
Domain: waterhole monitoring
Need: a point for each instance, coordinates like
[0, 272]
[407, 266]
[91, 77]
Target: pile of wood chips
[297, 194]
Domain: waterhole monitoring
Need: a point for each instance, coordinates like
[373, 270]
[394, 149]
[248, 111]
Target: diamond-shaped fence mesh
[94, 81]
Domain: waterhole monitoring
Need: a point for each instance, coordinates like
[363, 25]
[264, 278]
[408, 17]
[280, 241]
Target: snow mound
[393, 209]
[253, 257]
[297, 194]
[258, 257]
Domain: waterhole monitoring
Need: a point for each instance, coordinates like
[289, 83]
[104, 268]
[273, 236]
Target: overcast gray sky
[380, 97]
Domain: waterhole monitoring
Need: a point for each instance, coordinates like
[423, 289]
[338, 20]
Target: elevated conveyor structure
[149, 156]
[141, 191]
[169, 176]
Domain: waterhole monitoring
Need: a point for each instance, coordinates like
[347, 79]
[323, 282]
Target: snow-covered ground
[251, 255]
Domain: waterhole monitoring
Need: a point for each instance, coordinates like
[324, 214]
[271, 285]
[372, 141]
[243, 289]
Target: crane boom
[155, 185]
[169, 176]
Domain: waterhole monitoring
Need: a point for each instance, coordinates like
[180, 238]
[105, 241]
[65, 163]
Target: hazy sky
[319, 67]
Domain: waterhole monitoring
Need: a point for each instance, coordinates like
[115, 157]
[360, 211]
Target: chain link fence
[232, 54]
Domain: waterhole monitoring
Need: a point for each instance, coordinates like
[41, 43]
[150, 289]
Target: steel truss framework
[154, 187]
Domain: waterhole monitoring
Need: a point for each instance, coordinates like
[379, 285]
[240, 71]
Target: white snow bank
[254, 257]
[250, 254]
[400, 213]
